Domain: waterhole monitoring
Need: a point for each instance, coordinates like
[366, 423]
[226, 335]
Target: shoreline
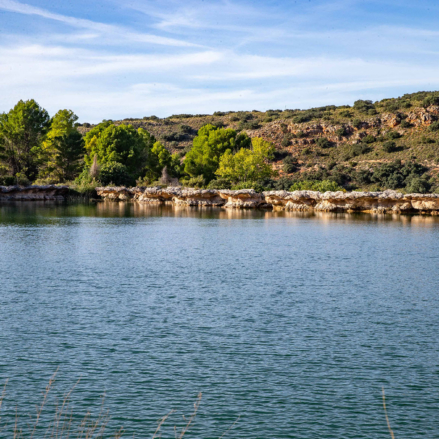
[388, 201]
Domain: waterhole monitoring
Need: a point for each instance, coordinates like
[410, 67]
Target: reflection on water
[38, 211]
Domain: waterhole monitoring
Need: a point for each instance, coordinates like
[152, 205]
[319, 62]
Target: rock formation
[30, 193]
[376, 202]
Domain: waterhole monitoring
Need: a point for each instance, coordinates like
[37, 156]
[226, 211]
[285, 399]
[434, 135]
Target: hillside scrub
[346, 144]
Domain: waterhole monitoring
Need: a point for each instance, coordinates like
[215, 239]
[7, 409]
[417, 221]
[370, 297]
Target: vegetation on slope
[390, 144]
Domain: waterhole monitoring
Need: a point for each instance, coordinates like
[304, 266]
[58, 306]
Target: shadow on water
[40, 212]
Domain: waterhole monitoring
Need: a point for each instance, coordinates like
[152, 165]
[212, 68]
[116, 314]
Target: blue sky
[108, 59]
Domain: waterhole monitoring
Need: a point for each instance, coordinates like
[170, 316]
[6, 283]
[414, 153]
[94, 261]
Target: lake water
[293, 322]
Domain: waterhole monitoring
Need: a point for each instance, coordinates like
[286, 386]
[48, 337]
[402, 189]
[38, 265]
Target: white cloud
[116, 31]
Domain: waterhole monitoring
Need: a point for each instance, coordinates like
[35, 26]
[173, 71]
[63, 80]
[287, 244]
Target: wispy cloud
[101, 28]
[167, 56]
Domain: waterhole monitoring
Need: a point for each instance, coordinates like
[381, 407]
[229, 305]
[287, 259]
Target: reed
[64, 424]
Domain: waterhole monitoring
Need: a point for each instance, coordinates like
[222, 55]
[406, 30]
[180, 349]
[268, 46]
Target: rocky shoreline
[34, 193]
[372, 202]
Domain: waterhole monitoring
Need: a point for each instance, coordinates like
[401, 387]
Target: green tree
[63, 148]
[158, 158]
[118, 143]
[248, 164]
[22, 130]
[210, 143]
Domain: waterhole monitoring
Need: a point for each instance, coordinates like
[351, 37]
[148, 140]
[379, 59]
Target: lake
[292, 321]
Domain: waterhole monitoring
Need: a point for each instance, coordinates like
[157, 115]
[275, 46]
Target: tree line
[37, 148]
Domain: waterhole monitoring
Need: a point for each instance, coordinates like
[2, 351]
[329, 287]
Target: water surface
[292, 321]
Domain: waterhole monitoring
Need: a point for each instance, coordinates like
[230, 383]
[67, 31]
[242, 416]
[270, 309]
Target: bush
[196, 182]
[359, 149]
[389, 146]
[321, 186]
[286, 140]
[323, 142]
[406, 124]
[425, 139]
[363, 106]
[219, 183]
[393, 135]
[289, 164]
[396, 175]
[369, 139]
[301, 118]
[249, 185]
[430, 100]
[434, 126]
[340, 131]
[8, 180]
[176, 137]
[357, 123]
[345, 113]
[418, 185]
[252, 125]
[186, 129]
[115, 173]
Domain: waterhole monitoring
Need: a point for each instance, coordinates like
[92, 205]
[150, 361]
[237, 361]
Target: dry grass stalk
[63, 426]
[191, 419]
[387, 418]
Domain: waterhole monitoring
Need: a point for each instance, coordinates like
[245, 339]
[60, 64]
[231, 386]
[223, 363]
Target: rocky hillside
[358, 138]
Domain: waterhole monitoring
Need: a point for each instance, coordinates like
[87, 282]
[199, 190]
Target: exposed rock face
[376, 202]
[176, 195]
[242, 199]
[30, 193]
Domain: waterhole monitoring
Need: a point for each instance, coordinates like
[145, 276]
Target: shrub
[356, 123]
[434, 126]
[323, 142]
[252, 125]
[389, 146]
[115, 173]
[396, 175]
[174, 137]
[286, 140]
[430, 100]
[197, 182]
[289, 164]
[186, 129]
[393, 135]
[359, 149]
[369, 139]
[425, 139]
[321, 186]
[340, 131]
[219, 113]
[418, 185]
[220, 183]
[363, 106]
[249, 185]
[301, 118]
[405, 124]
[345, 113]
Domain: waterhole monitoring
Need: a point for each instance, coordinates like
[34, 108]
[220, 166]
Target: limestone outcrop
[375, 202]
[175, 195]
[242, 199]
[31, 193]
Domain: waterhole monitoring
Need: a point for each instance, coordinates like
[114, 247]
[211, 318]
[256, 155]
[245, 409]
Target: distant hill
[349, 139]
